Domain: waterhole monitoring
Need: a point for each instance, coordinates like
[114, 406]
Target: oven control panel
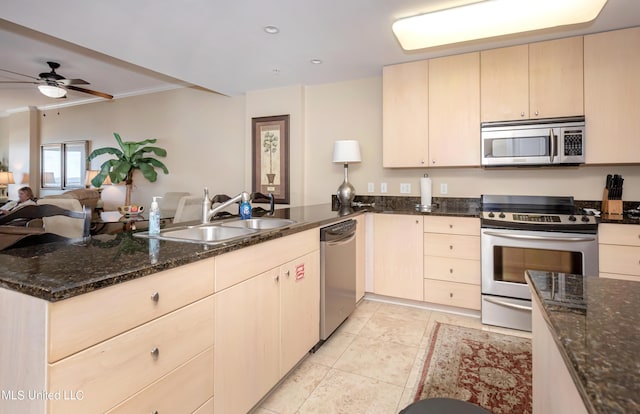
[542, 219]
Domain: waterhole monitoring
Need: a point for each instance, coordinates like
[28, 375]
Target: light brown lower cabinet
[619, 251]
[266, 322]
[452, 261]
[397, 245]
[130, 343]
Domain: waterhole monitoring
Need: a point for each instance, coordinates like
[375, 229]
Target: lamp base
[346, 193]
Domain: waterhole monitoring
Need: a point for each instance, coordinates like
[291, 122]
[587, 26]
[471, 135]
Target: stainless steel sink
[261, 223]
[209, 233]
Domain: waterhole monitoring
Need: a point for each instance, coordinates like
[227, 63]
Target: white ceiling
[124, 47]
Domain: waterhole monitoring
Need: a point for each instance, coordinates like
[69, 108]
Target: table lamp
[345, 152]
[6, 178]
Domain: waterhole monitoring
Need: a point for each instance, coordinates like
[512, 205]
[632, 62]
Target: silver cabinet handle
[522, 114]
[155, 353]
[507, 304]
[155, 297]
[287, 273]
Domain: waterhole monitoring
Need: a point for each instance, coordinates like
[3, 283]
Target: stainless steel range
[529, 232]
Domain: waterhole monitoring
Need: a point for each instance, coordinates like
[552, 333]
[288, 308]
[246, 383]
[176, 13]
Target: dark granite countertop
[595, 323]
[56, 271]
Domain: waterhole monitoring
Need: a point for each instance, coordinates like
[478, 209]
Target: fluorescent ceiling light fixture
[491, 18]
[52, 91]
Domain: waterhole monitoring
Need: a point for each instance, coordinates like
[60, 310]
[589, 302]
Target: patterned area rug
[485, 368]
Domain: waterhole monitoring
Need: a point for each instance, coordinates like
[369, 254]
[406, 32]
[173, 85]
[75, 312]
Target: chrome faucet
[208, 211]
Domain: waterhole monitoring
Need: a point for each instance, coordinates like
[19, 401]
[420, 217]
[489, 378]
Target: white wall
[203, 133]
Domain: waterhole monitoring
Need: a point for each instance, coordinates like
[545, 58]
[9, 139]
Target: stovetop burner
[534, 213]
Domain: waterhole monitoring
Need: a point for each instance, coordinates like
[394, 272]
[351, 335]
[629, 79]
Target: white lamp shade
[6, 178]
[52, 91]
[346, 151]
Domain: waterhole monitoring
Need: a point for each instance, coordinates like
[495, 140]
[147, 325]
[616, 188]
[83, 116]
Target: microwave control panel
[573, 141]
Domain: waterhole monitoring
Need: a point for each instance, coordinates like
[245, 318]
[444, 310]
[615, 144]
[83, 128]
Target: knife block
[612, 208]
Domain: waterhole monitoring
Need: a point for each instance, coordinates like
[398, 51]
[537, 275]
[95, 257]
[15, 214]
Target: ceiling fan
[54, 85]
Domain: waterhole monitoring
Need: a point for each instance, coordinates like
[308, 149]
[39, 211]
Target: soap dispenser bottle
[245, 207]
[154, 217]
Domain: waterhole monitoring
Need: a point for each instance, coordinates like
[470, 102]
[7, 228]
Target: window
[63, 165]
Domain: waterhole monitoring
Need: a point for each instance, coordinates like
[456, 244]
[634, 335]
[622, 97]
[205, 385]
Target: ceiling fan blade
[35, 83]
[20, 74]
[67, 82]
[89, 91]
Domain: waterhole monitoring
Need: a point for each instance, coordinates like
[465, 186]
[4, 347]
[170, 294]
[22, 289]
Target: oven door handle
[507, 304]
[533, 237]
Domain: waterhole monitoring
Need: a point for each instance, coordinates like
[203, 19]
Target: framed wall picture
[270, 156]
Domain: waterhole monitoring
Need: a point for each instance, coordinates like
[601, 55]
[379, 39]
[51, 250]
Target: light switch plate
[405, 188]
[383, 187]
[444, 189]
[371, 187]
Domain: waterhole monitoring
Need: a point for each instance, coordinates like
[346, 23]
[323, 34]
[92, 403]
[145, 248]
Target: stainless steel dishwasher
[337, 275]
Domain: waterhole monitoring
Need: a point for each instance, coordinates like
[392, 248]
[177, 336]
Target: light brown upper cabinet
[538, 80]
[405, 115]
[454, 111]
[612, 96]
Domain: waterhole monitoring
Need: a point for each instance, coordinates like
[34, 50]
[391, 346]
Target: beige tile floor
[371, 364]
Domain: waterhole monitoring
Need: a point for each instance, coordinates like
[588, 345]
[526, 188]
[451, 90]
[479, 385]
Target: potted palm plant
[129, 157]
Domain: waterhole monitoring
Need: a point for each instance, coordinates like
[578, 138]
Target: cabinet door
[504, 83]
[299, 309]
[556, 78]
[247, 342]
[454, 111]
[398, 256]
[612, 96]
[405, 108]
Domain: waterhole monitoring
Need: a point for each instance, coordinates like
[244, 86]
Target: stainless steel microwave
[557, 141]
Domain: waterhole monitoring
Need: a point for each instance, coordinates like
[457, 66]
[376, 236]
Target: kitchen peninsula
[586, 333]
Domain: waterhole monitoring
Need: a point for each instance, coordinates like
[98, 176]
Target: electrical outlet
[444, 189]
[383, 187]
[371, 187]
[405, 188]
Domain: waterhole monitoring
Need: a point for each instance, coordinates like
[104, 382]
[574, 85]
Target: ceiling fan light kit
[52, 91]
[485, 19]
[54, 85]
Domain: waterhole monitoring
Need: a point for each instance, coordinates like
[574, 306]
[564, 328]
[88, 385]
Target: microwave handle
[552, 141]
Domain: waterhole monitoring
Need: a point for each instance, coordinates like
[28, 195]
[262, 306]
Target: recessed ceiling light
[271, 29]
[316, 61]
[486, 19]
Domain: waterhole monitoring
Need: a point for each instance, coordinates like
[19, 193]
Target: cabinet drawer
[169, 395]
[460, 295]
[83, 321]
[447, 245]
[622, 234]
[620, 259]
[113, 370]
[452, 225]
[452, 270]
